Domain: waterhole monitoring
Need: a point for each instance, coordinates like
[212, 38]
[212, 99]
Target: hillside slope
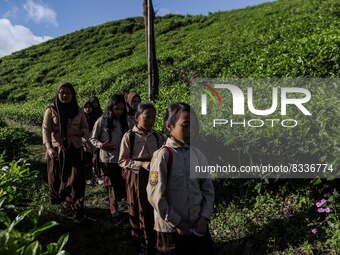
[286, 38]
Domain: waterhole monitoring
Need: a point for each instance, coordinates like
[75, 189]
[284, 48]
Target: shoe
[99, 181]
[123, 205]
[115, 218]
[80, 217]
[65, 212]
[90, 182]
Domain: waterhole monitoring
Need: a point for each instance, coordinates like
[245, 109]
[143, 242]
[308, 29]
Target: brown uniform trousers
[114, 184]
[140, 211]
[175, 244]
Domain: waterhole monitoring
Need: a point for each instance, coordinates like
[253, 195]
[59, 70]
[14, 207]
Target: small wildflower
[314, 231]
[327, 210]
[320, 210]
[321, 202]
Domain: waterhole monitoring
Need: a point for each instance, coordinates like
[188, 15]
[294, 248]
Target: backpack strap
[132, 136]
[156, 136]
[170, 158]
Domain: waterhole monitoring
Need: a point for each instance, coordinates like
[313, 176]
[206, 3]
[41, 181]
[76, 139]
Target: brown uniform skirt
[66, 178]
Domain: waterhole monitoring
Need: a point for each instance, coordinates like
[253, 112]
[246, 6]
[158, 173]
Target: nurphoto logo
[286, 95]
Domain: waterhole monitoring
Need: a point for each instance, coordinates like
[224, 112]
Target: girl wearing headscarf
[64, 129]
[132, 101]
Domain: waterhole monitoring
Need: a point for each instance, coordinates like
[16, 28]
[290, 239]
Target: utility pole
[153, 75]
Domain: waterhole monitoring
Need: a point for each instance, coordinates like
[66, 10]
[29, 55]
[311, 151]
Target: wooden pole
[153, 75]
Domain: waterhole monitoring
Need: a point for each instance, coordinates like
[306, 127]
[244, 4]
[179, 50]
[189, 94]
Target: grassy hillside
[286, 38]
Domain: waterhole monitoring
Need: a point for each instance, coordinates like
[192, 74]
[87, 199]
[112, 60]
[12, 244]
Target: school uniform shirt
[143, 148]
[51, 128]
[100, 135]
[175, 196]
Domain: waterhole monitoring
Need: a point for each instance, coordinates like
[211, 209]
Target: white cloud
[40, 13]
[16, 37]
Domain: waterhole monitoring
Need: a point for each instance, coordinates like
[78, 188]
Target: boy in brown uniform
[183, 205]
[136, 151]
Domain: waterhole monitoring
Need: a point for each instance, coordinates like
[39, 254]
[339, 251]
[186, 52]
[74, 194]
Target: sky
[27, 22]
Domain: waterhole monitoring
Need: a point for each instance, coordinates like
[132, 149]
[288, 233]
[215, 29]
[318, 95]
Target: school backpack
[132, 136]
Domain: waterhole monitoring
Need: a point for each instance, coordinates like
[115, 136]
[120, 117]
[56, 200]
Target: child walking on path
[63, 130]
[183, 205]
[88, 150]
[136, 150]
[95, 114]
[106, 135]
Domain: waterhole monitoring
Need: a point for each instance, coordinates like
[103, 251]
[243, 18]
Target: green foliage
[295, 38]
[14, 142]
[19, 236]
[326, 222]
[15, 179]
[286, 38]
[282, 216]
[15, 240]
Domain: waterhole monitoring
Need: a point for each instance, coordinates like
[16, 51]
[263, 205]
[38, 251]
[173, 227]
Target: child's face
[88, 108]
[135, 102]
[180, 131]
[65, 95]
[118, 110]
[146, 119]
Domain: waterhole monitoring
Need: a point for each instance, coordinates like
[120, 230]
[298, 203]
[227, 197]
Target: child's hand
[201, 226]
[146, 165]
[108, 146]
[52, 153]
[183, 228]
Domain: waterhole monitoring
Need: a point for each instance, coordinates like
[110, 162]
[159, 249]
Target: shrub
[14, 142]
[15, 178]
[15, 241]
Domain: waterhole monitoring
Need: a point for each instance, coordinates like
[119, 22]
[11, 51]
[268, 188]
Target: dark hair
[144, 106]
[172, 115]
[94, 98]
[97, 111]
[89, 103]
[108, 114]
[91, 119]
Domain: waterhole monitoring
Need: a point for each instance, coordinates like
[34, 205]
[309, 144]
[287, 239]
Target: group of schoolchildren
[169, 212]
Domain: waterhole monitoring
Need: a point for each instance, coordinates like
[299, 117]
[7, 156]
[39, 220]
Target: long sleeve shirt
[51, 128]
[101, 135]
[175, 196]
[143, 148]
